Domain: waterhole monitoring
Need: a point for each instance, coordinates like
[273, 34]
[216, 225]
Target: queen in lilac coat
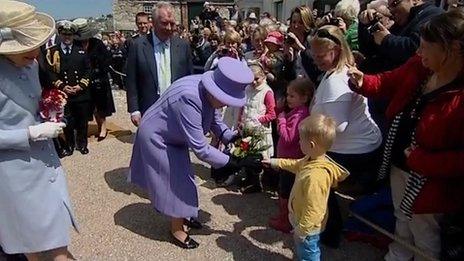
[177, 122]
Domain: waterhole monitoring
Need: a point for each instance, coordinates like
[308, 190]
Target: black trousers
[77, 124]
[286, 180]
[362, 168]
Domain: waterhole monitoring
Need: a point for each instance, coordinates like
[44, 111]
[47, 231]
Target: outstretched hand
[266, 163]
[356, 76]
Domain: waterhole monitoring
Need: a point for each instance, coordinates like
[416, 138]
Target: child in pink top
[299, 94]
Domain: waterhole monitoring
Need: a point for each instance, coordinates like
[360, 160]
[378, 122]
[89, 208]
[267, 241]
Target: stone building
[124, 10]
[281, 9]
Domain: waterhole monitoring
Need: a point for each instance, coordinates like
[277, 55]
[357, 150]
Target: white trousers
[422, 231]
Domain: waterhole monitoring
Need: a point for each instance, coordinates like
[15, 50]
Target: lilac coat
[160, 162]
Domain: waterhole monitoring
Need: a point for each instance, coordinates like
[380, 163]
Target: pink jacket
[287, 126]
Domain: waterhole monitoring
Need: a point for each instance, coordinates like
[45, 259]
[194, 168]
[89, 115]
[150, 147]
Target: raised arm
[384, 85]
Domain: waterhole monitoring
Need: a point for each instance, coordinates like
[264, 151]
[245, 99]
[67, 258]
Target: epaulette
[54, 59]
[50, 47]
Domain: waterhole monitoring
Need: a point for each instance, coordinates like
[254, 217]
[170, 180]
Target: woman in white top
[357, 133]
[357, 145]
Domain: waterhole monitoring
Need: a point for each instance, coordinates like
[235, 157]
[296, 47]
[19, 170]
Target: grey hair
[158, 7]
[348, 10]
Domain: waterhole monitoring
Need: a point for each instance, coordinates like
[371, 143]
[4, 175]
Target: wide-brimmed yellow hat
[22, 29]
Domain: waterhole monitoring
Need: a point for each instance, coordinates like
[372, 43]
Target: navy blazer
[399, 48]
[142, 78]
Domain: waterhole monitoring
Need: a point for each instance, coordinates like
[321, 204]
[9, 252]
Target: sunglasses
[324, 33]
[394, 4]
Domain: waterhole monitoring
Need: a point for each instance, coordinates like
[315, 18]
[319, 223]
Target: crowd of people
[366, 100]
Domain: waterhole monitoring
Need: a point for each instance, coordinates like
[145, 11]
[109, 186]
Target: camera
[288, 40]
[334, 21]
[374, 26]
[225, 52]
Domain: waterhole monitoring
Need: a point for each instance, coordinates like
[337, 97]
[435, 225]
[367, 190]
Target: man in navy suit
[155, 61]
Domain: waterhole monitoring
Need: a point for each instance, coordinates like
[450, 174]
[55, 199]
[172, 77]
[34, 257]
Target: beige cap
[84, 30]
[22, 29]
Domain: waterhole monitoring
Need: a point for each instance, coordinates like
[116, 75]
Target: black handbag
[452, 237]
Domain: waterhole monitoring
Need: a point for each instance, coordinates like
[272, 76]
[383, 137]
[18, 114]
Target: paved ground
[117, 222]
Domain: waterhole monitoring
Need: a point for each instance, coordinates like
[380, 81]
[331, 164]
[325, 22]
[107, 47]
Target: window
[278, 8]
[147, 8]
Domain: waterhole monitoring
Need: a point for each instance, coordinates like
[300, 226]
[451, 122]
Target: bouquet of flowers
[52, 105]
[251, 143]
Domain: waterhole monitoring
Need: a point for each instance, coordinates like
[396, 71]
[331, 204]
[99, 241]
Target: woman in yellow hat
[35, 210]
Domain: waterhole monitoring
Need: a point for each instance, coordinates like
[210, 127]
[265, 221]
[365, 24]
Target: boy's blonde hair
[319, 127]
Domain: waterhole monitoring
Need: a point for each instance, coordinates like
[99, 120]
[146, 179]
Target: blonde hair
[319, 127]
[345, 56]
[259, 33]
[256, 68]
[348, 10]
[233, 37]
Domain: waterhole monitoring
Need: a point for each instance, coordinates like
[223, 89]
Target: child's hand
[266, 163]
[280, 103]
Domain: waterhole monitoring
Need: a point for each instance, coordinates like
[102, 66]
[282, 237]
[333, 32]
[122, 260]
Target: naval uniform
[69, 65]
[100, 88]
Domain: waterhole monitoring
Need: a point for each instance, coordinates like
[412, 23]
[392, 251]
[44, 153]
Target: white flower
[247, 139]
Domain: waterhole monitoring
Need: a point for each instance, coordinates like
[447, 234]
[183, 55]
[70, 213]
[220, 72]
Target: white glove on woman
[46, 130]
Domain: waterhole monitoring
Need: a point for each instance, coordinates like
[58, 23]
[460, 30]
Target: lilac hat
[228, 82]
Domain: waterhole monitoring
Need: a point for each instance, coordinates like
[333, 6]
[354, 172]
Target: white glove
[46, 130]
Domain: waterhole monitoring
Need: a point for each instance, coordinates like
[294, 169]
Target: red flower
[244, 146]
[52, 105]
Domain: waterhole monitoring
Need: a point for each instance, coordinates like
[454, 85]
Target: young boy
[315, 175]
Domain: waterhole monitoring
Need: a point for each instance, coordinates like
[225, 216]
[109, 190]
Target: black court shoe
[83, 151]
[193, 223]
[62, 153]
[100, 138]
[188, 243]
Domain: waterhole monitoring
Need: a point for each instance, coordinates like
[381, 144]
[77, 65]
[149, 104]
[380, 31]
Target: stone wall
[124, 12]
